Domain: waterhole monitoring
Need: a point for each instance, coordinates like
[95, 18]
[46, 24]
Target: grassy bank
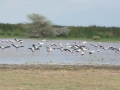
[60, 38]
[89, 39]
[84, 78]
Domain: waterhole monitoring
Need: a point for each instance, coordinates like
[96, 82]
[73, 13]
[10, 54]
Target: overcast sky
[63, 12]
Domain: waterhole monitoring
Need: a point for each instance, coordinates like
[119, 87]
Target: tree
[62, 32]
[39, 26]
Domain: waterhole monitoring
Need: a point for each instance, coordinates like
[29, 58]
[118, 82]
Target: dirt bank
[58, 67]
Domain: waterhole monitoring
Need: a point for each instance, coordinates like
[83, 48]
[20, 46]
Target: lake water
[25, 56]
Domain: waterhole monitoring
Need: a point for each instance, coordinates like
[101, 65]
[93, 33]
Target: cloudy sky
[63, 12]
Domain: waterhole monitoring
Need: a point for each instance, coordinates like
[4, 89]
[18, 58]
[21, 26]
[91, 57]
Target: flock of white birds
[69, 47]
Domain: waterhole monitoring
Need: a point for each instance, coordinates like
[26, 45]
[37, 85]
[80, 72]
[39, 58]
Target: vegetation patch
[96, 38]
[40, 27]
[31, 77]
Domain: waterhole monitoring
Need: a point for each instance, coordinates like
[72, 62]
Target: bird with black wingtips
[16, 46]
[19, 40]
[3, 47]
[117, 50]
[68, 50]
[53, 44]
[12, 41]
[94, 45]
[91, 52]
[32, 49]
[49, 49]
[36, 47]
[61, 49]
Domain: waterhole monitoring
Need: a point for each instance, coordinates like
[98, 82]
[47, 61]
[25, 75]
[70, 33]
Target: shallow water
[25, 56]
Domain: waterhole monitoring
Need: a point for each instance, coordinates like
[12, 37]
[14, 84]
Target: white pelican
[3, 47]
[60, 45]
[49, 49]
[82, 53]
[84, 42]
[16, 46]
[41, 43]
[44, 40]
[36, 47]
[32, 49]
[67, 44]
[91, 52]
[18, 40]
[53, 44]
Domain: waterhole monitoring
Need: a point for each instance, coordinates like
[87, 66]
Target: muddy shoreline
[58, 67]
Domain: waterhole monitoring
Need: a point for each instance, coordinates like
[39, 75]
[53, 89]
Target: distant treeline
[91, 31]
[12, 30]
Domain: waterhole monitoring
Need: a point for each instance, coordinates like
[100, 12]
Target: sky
[63, 12]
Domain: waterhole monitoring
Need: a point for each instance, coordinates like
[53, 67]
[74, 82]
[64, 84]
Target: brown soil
[58, 67]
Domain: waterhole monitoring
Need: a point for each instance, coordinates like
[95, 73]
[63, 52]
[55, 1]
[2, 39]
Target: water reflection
[25, 56]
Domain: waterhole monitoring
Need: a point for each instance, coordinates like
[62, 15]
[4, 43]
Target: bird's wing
[7, 46]
[22, 46]
[14, 45]
[40, 46]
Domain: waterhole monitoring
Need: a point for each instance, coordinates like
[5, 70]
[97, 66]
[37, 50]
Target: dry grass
[37, 79]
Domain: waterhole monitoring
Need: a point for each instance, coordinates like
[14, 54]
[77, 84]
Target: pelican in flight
[49, 49]
[32, 49]
[3, 47]
[36, 47]
[16, 46]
